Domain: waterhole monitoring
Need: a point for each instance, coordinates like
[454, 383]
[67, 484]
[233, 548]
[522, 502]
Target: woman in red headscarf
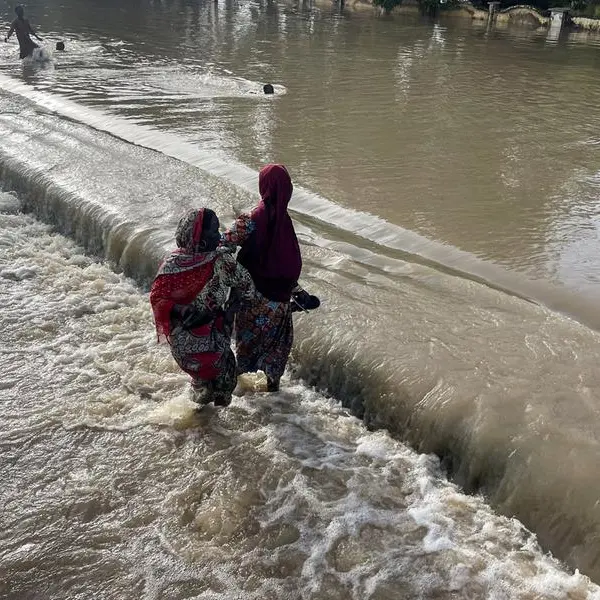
[189, 301]
[271, 254]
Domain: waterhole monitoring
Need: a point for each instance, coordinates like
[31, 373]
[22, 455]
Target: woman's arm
[228, 273]
[234, 275]
[33, 33]
[10, 32]
[239, 232]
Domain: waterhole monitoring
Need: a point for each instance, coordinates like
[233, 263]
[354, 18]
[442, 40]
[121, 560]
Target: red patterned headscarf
[185, 272]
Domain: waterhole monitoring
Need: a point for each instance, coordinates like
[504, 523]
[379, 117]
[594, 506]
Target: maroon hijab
[274, 261]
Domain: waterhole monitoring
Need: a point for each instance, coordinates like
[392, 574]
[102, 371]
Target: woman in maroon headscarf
[270, 252]
[188, 298]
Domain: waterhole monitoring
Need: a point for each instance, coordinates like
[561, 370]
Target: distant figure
[60, 46]
[268, 89]
[23, 29]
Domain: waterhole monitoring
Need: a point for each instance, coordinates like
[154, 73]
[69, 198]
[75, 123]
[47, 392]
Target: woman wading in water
[191, 312]
[270, 252]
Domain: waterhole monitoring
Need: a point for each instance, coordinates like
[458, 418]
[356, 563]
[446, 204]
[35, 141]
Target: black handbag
[304, 301]
[188, 316]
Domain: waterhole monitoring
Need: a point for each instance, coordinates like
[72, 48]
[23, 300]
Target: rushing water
[446, 202]
[483, 140]
[114, 488]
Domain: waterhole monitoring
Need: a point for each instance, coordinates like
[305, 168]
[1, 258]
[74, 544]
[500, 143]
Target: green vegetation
[588, 8]
[387, 5]
[584, 8]
[427, 7]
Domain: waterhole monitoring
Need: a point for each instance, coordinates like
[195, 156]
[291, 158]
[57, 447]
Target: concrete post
[558, 18]
[494, 7]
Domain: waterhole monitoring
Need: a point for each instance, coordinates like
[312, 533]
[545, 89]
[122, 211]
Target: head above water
[20, 11]
[268, 89]
[60, 46]
[198, 231]
[275, 186]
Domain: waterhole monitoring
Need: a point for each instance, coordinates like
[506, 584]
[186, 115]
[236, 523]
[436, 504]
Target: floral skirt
[205, 354]
[264, 334]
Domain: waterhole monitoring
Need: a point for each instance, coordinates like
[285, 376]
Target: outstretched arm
[10, 32]
[33, 33]
[236, 276]
[239, 232]
[228, 273]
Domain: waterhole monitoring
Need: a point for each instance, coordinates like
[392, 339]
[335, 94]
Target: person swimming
[24, 30]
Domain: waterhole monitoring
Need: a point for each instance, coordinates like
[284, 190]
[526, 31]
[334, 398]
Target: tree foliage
[587, 8]
[427, 7]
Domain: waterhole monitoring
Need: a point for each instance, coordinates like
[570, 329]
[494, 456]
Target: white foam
[249, 383]
[41, 55]
[9, 203]
[277, 494]
[183, 79]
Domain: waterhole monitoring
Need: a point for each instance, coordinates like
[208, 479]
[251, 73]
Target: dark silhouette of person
[268, 89]
[60, 46]
[24, 30]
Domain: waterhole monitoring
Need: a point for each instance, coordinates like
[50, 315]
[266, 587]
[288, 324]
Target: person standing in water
[271, 254]
[189, 299]
[24, 30]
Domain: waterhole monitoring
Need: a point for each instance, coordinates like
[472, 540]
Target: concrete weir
[555, 19]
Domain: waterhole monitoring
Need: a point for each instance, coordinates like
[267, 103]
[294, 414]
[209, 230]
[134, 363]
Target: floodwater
[446, 201]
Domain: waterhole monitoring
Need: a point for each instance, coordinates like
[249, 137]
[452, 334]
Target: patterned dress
[264, 330]
[205, 352]
[189, 298]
